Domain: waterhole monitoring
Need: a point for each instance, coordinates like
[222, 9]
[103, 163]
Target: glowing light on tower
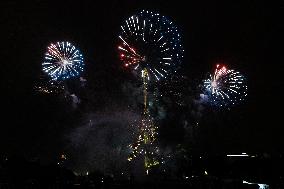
[147, 136]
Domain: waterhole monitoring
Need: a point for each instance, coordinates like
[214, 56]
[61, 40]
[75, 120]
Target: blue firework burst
[62, 61]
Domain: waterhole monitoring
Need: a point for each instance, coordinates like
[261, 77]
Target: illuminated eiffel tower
[147, 133]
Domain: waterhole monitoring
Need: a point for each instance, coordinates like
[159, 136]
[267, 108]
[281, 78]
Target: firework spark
[47, 86]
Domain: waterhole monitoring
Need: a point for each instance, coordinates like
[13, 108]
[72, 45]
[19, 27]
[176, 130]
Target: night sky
[236, 34]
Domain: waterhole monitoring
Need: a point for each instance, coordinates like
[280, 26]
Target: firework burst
[62, 61]
[225, 87]
[152, 42]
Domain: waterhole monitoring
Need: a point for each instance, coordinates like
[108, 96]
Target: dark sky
[237, 34]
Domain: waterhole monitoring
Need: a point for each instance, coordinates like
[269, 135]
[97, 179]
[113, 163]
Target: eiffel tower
[147, 133]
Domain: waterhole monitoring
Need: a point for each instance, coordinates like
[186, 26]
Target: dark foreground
[262, 173]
